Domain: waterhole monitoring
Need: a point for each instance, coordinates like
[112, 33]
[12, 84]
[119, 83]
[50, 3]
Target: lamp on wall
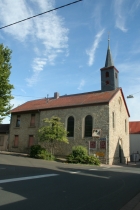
[130, 96]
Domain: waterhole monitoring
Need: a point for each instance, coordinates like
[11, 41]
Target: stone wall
[4, 147]
[100, 114]
[23, 131]
[119, 132]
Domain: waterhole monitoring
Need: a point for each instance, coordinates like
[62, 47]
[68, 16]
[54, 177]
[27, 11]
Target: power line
[41, 14]
[28, 96]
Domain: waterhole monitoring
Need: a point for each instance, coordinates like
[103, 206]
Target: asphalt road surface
[27, 183]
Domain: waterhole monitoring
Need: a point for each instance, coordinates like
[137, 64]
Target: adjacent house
[134, 130]
[4, 134]
[98, 120]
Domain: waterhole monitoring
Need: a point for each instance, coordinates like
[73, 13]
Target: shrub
[79, 155]
[91, 160]
[79, 151]
[36, 151]
[44, 154]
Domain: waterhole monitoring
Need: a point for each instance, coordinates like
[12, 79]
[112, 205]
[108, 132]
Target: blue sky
[63, 51]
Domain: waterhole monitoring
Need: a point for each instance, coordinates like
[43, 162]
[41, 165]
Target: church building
[98, 120]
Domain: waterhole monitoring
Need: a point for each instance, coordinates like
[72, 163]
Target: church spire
[109, 60]
[109, 74]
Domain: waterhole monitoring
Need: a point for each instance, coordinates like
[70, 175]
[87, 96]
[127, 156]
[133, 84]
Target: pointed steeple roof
[109, 60]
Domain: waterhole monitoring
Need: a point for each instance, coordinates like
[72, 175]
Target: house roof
[75, 100]
[4, 128]
[134, 127]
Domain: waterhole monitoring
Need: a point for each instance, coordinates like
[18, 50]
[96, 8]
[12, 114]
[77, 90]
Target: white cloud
[23, 91]
[120, 15]
[43, 4]
[97, 15]
[38, 64]
[135, 5]
[33, 79]
[92, 51]
[47, 31]
[82, 83]
[12, 11]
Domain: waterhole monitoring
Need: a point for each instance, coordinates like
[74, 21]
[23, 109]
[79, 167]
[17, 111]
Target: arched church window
[107, 82]
[88, 126]
[107, 74]
[125, 126]
[120, 102]
[70, 126]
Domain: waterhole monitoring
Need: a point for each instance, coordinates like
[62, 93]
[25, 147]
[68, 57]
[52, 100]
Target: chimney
[56, 95]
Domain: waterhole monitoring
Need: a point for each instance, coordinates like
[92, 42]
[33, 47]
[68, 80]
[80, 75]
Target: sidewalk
[130, 164]
[14, 153]
[133, 204]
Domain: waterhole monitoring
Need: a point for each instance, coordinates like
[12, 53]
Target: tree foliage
[53, 131]
[5, 86]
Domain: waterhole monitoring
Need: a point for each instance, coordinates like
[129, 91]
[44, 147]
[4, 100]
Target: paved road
[27, 183]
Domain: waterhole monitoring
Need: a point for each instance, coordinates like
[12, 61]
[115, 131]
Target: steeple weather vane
[108, 39]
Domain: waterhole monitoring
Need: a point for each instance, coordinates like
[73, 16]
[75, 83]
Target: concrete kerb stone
[14, 153]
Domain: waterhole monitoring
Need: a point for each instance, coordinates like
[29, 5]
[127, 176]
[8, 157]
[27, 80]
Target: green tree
[5, 86]
[53, 131]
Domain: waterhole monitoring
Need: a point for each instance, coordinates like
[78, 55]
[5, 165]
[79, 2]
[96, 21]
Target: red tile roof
[134, 127]
[90, 98]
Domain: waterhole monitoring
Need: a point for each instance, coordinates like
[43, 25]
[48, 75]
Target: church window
[120, 102]
[125, 126]
[116, 75]
[70, 126]
[107, 74]
[107, 82]
[88, 126]
[113, 119]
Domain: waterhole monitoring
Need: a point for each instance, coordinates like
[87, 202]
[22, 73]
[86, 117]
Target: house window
[31, 140]
[32, 122]
[107, 74]
[102, 144]
[113, 119]
[88, 126]
[1, 140]
[18, 121]
[107, 82]
[16, 140]
[70, 126]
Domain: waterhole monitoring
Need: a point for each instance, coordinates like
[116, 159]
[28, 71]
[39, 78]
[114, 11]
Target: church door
[120, 150]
